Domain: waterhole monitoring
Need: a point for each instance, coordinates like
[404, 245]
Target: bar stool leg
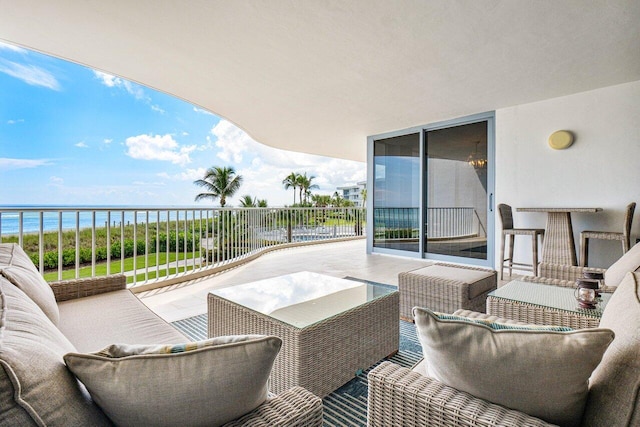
[534, 249]
[512, 239]
[584, 251]
[504, 237]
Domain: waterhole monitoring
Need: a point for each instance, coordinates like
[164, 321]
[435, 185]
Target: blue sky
[72, 135]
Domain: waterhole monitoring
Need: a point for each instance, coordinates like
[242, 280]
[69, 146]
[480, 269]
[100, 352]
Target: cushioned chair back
[631, 208]
[506, 216]
[614, 387]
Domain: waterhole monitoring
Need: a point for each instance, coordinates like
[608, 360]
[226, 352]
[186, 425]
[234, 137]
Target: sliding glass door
[456, 196]
[396, 193]
[432, 191]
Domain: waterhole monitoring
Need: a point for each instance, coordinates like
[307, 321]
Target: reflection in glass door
[456, 191]
[396, 193]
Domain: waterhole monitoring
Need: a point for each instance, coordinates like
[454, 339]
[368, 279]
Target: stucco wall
[601, 168]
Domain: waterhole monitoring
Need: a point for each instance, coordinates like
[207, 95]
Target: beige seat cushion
[16, 266]
[614, 396]
[36, 388]
[479, 281]
[94, 322]
[543, 373]
[628, 262]
[199, 384]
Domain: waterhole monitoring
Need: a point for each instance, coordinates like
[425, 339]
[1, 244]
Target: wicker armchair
[566, 275]
[403, 397]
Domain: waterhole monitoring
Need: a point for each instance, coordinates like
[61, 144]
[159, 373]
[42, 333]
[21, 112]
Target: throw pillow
[543, 373]
[208, 383]
[17, 268]
[36, 388]
[627, 262]
[614, 396]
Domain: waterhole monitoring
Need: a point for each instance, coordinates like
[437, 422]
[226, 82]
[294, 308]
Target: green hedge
[50, 258]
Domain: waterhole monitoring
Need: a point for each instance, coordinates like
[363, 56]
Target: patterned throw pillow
[206, 383]
[497, 326]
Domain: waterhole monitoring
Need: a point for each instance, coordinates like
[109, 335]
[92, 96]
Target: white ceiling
[320, 76]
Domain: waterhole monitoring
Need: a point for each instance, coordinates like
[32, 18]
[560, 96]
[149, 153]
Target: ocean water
[10, 221]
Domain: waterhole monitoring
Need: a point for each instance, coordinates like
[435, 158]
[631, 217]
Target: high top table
[559, 246]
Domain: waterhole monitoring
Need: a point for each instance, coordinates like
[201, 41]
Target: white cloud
[81, 144]
[272, 165]
[30, 74]
[157, 147]
[188, 175]
[157, 109]
[13, 122]
[56, 180]
[202, 111]
[112, 81]
[7, 46]
[107, 141]
[12, 164]
[232, 141]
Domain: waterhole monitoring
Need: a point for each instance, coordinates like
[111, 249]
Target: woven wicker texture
[565, 272]
[623, 236]
[533, 309]
[77, 288]
[559, 246]
[324, 355]
[440, 294]
[400, 397]
[295, 407]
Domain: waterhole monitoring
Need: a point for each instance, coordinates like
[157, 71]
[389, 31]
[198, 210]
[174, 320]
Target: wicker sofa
[41, 324]
[401, 396]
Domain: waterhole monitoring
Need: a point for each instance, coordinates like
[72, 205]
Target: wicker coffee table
[331, 328]
[541, 304]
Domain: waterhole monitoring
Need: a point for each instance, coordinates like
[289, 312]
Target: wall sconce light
[561, 139]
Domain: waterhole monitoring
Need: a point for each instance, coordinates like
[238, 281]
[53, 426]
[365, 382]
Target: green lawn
[101, 268]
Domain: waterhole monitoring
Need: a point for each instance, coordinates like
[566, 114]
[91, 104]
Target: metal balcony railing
[441, 223]
[162, 244]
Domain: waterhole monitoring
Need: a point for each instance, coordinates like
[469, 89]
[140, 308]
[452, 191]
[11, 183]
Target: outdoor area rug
[347, 406]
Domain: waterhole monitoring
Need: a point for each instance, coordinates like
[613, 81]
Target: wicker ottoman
[445, 288]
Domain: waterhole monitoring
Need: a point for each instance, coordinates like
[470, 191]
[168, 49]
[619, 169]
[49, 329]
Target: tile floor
[340, 259]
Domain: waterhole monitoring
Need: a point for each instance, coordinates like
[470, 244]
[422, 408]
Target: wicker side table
[445, 288]
[541, 304]
[325, 354]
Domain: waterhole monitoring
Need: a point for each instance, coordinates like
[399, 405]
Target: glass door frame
[489, 117]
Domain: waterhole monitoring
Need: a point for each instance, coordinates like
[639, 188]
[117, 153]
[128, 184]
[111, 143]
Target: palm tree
[247, 201]
[321, 200]
[291, 181]
[221, 182]
[262, 203]
[304, 182]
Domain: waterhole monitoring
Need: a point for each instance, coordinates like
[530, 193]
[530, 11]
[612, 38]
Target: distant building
[353, 192]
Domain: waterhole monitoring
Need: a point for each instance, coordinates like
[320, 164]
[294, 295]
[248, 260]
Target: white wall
[600, 169]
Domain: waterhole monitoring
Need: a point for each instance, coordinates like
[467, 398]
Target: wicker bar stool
[608, 235]
[506, 216]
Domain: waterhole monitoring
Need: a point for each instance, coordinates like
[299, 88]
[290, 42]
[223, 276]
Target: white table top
[586, 210]
[552, 296]
[304, 298]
